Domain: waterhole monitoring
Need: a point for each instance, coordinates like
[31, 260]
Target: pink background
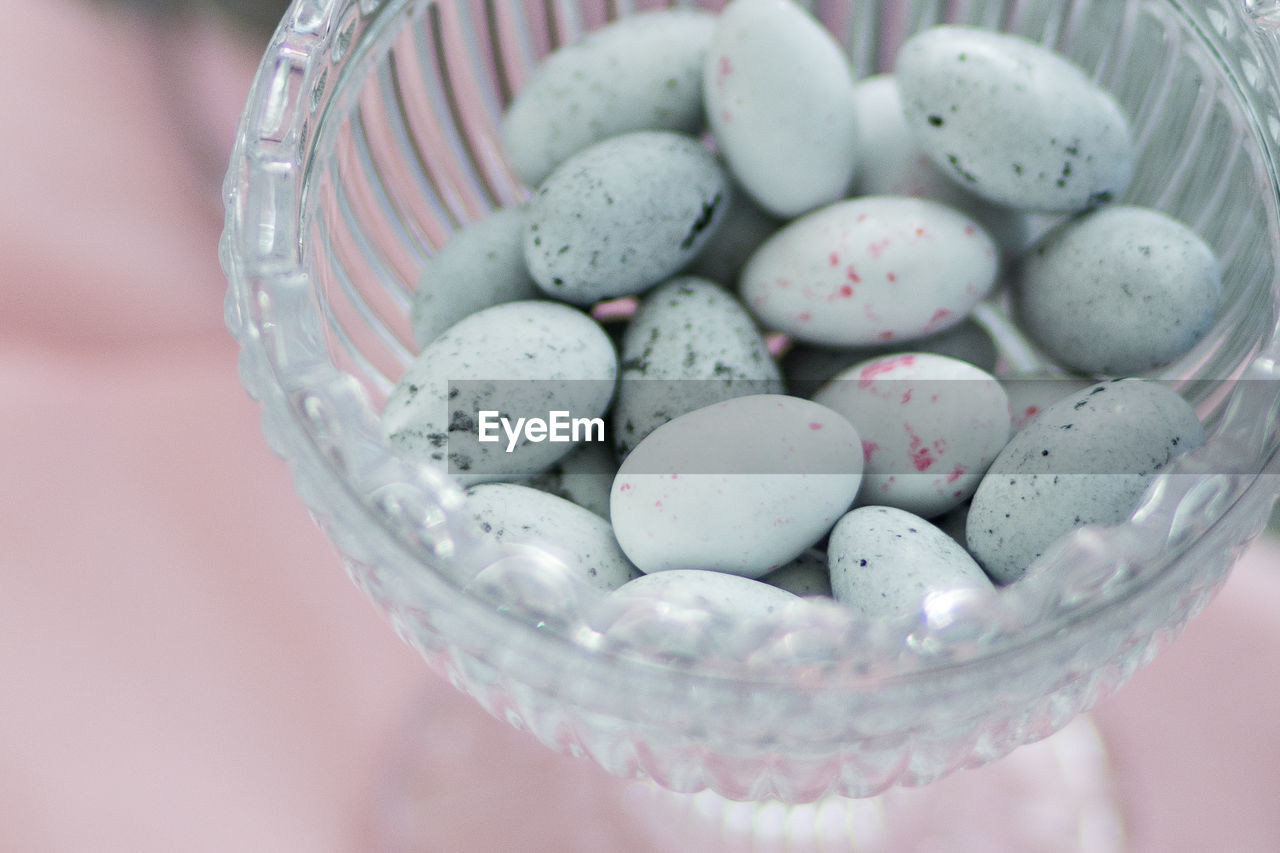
[183, 664]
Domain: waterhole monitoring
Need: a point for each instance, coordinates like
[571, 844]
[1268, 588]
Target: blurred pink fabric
[183, 664]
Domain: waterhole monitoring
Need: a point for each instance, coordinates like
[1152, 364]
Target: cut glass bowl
[370, 137]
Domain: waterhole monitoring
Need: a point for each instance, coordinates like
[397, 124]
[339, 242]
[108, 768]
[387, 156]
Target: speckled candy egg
[1119, 291]
[779, 99]
[481, 265]
[742, 486]
[643, 72]
[870, 271]
[930, 425]
[520, 359]
[886, 563]
[507, 512]
[1086, 459]
[623, 215]
[1012, 121]
[690, 344]
[892, 162]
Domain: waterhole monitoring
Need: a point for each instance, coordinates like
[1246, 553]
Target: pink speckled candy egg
[930, 426]
[778, 91]
[870, 271]
[743, 486]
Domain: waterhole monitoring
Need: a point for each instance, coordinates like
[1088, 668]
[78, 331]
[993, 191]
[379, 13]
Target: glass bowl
[371, 136]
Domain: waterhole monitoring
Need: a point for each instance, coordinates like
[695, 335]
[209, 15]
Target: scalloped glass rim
[307, 403]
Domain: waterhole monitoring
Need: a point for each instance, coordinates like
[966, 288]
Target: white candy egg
[643, 72]
[1119, 291]
[1013, 121]
[523, 359]
[623, 215]
[1086, 459]
[779, 98]
[481, 265]
[887, 563]
[743, 486]
[510, 513]
[930, 425]
[689, 345]
[870, 271]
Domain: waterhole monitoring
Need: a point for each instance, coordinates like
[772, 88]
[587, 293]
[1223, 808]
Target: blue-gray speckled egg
[886, 563]
[1119, 291]
[623, 215]
[892, 162]
[508, 513]
[522, 359]
[1013, 121]
[1086, 459]
[690, 344]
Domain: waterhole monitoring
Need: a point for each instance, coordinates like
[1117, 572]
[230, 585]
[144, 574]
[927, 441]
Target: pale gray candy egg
[930, 425]
[1118, 291]
[778, 91]
[584, 476]
[806, 576]
[642, 72]
[481, 265]
[519, 360]
[1013, 121]
[870, 271]
[892, 162]
[743, 486]
[623, 215]
[887, 563]
[510, 513]
[1087, 459]
[690, 344]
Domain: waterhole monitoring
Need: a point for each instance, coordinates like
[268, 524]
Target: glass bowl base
[1054, 796]
[453, 777]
